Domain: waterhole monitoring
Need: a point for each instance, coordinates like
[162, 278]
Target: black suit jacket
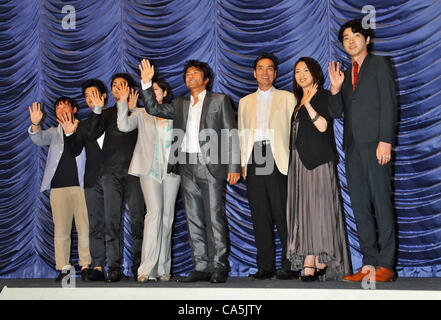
[94, 159]
[370, 112]
[118, 146]
[314, 147]
[221, 153]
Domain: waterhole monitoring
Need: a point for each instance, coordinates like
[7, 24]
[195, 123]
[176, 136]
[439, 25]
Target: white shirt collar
[201, 97]
[265, 93]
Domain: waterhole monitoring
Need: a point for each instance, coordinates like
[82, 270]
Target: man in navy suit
[365, 94]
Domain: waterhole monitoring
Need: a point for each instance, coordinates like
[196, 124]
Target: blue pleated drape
[40, 60]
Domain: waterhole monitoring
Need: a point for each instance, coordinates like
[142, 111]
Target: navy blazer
[370, 112]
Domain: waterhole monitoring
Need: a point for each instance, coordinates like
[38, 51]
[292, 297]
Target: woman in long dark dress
[316, 229]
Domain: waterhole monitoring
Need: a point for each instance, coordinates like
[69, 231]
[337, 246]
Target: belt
[262, 143]
[193, 158]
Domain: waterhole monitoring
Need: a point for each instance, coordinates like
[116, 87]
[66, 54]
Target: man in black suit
[93, 90]
[203, 165]
[119, 187]
[365, 94]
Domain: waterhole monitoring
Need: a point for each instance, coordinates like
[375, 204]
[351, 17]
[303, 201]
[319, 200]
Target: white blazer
[282, 107]
[143, 154]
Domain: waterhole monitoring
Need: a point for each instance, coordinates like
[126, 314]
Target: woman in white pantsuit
[160, 189]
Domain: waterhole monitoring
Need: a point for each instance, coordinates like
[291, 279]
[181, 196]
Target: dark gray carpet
[233, 282]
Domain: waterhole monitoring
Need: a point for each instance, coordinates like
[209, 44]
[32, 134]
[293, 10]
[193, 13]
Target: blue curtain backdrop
[41, 60]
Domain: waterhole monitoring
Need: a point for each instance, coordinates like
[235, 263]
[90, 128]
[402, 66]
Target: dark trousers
[119, 190]
[95, 209]
[267, 194]
[203, 197]
[370, 190]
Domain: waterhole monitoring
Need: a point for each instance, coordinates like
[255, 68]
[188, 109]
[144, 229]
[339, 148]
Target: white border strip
[212, 294]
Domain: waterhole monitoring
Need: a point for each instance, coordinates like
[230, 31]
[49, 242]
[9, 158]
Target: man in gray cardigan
[63, 175]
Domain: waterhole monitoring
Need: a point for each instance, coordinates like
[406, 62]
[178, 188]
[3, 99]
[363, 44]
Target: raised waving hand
[147, 71]
[35, 113]
[68, 122]
[133, 99]
[336, 76]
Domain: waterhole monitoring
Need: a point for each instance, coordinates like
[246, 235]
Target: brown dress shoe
[356, 277]
[383, 275]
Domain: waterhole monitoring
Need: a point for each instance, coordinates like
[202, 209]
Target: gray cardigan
[53, 137]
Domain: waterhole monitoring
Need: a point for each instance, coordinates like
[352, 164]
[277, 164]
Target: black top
[118, 146]
[66, 174]
[314, 147]
[94, 158]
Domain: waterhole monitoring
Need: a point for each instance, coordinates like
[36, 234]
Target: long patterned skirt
[315, 219]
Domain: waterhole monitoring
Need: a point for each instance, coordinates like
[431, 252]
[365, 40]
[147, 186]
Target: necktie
[355, 69]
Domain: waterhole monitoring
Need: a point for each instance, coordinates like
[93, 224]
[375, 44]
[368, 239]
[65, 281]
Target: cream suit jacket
[143, 154]
[282, 107]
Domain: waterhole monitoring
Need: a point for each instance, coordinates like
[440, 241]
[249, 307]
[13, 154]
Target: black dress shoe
[219, 276]
[115, 276]
[196, 276]
[62, 274]
[85, 274]
[96, 275]
[262, 275]
[321, 273]
[287, 274]
[135, 272]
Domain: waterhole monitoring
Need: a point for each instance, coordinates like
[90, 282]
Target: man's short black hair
[267, 55]
[356, 25]
[94, 83]
[164, 87]
[65, 99]
[125, 76]
[204, 67]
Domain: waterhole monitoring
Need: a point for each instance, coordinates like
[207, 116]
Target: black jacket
[370, 112]
[118, 146]
[94, 159]
[314, 147]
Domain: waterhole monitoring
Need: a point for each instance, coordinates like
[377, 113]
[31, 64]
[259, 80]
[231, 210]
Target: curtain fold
[40, 61]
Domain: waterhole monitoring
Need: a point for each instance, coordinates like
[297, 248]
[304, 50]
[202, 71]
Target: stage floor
[236, 288]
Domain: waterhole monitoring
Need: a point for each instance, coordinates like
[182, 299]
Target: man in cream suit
[264, 127]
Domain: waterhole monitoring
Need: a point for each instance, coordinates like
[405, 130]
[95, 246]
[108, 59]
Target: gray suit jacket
[370, 112]
[218, 136]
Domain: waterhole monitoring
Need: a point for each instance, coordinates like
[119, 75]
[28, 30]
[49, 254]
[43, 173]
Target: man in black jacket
[119, 187]
[365, 94]
[92, 89]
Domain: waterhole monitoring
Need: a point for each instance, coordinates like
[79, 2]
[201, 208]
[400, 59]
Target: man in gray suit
[365, 94]
[203, 165]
